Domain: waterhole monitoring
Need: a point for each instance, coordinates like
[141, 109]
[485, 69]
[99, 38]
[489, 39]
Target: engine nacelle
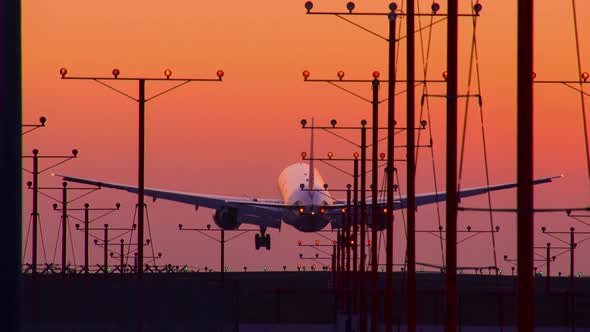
[226, 218]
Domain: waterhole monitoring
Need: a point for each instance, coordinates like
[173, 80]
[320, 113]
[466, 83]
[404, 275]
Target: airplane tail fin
[311, 157]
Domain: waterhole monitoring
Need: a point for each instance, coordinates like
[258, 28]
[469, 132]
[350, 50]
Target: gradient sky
[236, 136]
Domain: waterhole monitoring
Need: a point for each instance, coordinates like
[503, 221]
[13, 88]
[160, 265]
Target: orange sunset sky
[235, 137]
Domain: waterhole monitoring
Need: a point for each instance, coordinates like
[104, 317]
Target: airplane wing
[429, 198]
[261, 212]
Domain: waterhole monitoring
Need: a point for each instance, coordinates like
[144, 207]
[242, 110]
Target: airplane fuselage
[313, 199]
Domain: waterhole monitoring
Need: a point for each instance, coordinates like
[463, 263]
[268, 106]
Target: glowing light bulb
[306, 74]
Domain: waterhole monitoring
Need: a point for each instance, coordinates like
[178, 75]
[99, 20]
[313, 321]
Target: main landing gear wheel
[262, 240]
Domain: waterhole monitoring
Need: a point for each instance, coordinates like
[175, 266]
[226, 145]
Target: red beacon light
[375, 74]
[303, 155]
[167, 73]
[330, 155]
[340, 75]
[352, 242]
[585, 76]
[445, 75]
[355, 155]
[323, 210]
[116, 72]
[299, 242]
[382, 155]
[334, 242]
[305, 74]
[63, 72]
[369, 242]
[317, 242]
[220, 74]
[298, 267]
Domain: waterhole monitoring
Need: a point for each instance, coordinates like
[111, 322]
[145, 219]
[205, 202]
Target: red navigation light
[220, 74]
[167, 73]
[317, 242]
[340, 74]
[330, 155]
[313, 267]
[63, 72]
[382, 155]
[301, 210]
[355, 155]
[299, 242]
[305, 74]
[116, 72]
[303, 155]
[298, 267]
[375, 74]
[445, 75]
[585, 76]
[323, 210]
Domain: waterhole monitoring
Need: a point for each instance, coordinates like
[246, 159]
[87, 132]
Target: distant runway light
[305, 74]
[63, 72]
[167, 73]
[435, 7]
[477, 8]
[350, 6]
[116, 72]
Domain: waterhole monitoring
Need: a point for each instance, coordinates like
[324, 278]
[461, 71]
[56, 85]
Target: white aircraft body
[305, 203]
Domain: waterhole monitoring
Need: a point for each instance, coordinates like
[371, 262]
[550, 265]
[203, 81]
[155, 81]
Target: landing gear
[262, 239]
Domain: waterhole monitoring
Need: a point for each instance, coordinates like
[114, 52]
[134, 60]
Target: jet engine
[226, 218]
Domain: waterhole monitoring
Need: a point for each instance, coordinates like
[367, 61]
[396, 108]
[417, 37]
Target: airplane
[307, 210]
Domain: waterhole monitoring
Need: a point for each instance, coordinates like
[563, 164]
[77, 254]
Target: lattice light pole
[141, 100]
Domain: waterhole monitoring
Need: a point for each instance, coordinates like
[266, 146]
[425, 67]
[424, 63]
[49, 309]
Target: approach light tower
[141, 100]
